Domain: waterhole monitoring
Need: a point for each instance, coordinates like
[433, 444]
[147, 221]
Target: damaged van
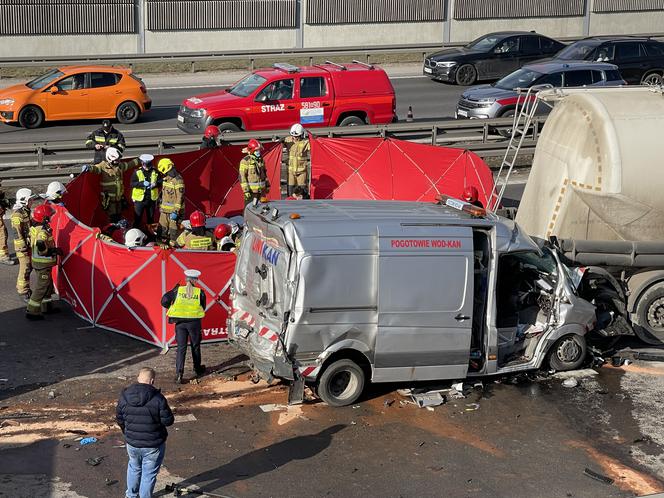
[337, 294]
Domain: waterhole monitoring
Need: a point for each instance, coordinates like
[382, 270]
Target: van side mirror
[53, 90]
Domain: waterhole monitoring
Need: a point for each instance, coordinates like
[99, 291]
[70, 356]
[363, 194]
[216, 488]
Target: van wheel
[568, 353]
[649, 317]
[226, 127]
[31, 117]
[127, 113]
[352, 121]
[341, 383]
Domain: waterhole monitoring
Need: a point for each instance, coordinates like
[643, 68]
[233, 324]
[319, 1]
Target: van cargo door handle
[461, 318]
[290, 107]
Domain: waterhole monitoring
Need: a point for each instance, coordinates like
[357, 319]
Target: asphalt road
[430, 101]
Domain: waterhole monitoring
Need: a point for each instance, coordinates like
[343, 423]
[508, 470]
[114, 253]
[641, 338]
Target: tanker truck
[596, 189]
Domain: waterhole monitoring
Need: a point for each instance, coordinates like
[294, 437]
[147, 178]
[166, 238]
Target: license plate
[428, 70]
[462, 113]
[180, 118]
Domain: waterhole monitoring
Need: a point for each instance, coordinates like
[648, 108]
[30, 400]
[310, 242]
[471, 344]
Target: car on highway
[273, 98]
[75, 92]
[499, 99]
[489, 57]
[639, 59]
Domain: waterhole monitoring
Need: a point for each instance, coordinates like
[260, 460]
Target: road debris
[88, 440]
[598, 477]
[189, 417]
[471, 407]
[51, 395]
[110, 482]
[94, 461]
[78, 432]
[570, 382]
[388, 402]
[428, 399]
[273, 407]
[578, 374]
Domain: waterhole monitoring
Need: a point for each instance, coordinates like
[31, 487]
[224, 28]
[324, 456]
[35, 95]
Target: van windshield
[44, 79]
[247, 85]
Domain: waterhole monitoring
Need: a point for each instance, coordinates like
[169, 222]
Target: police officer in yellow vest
[44, 258]
[186, 307]
[253, 175]
[20, 221]
[144, 184]
[197, 238]
[298, 160]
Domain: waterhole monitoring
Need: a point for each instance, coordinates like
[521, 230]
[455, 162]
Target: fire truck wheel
[341, 383]
[568, 353]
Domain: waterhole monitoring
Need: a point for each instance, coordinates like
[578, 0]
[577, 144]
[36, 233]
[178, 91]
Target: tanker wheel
[649, 316]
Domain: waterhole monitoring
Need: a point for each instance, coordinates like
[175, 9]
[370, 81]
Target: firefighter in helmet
[298, 159]
[210, 138]
[470, 195]
[4, 249]
[54, 193]
[253, 175]
[104, 138]
[171, 208]
[197, 238]
[20, 221]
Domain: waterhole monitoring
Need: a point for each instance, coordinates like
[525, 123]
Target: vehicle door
[68, 98]
[631, 59]
[425, 303]
[504, 59]
[315, 100]
[103, 98]
[275, 105]
[577, 78]
[529, 49]
[553, 79]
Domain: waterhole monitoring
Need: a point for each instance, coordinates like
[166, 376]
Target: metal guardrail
[22, 161]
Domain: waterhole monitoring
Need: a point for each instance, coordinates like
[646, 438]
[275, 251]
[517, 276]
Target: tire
[352, 121]
[228, 127]
[341, 383]
[128, 112]
[466, 75]
[652, 79]
[31, 117]
[568, 353]
[649, 317]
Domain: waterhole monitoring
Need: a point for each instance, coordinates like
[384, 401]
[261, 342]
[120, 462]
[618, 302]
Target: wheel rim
[127, 112]
[31, 117]
[466, 75]
[569, 350]
[655, 315]
[652, 79]
[342, 384]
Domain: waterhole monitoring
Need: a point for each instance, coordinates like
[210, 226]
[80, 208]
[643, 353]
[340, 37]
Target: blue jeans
[142, 470]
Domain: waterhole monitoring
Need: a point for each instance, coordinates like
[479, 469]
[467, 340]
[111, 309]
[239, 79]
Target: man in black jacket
[143, 415]
[103, 138]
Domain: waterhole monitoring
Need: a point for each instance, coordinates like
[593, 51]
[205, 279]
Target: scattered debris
[353, 422]
[94, 461]
[51, 395]
[404, 392]
[88, 440]
[643, 439]
[428, 399]
[189, 417]
[471, 407]
[598, 477]
[458, 387]
[388, 402]
[78, 432]
[122, 377]
[430, 408]
[66, 445]
[578, 374]
[273, 407]
[404, 402]
[435, 469]
[22, 415]
[110, 482]
[570, 382]
[355, 407]
[120, 446]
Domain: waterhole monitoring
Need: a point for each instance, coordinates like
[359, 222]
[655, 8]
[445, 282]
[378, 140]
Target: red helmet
[254, 145]
[197, 219]
[222, 231]
[42, 213]
[470, 194]
[211, 132]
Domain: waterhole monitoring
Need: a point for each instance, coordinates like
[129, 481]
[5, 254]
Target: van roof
[318, 69]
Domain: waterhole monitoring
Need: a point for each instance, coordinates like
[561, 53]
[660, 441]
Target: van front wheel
[341, 383]
[568, 353]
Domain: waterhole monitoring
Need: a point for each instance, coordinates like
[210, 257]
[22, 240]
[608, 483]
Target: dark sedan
[640, 60]
[490, 57]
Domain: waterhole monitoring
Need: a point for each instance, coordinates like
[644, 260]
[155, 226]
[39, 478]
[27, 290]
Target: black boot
[30, 316]
[200, 371]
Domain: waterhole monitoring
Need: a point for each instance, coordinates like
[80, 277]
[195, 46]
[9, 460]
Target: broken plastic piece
[598, 477]
[458, 386]
[571, 382]
[88, 440]
[272, 407]
[94, 461]
[428, 399]
[471, 407]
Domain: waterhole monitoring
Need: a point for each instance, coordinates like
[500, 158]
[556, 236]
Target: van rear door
[425, 303]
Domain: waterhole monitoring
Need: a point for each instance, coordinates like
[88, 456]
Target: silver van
[339, 293]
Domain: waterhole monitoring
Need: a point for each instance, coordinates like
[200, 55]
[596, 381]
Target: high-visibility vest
[39, 261]
[138, 193]
[186, 307]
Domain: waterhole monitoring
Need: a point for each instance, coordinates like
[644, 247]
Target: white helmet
[235, 228]
[296, 130]
[54, 191]
[134, 238]
[226, 244]
[23, 196]
[112, 154]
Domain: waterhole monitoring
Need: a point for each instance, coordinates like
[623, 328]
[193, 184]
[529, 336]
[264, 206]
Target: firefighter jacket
[141, 193]
[172, 193]
[186, 307]
[20, 222]
[44, 253]
[112, 180]
[253, 176]
[111, 139]
[298, 154]
[189, 240]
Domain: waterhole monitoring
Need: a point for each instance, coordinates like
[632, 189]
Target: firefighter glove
[247, 195]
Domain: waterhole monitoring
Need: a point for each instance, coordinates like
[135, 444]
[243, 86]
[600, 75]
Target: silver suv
[499, 99]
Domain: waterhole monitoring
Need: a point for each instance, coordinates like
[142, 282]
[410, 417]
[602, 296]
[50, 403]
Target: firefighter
[20, 221]
[171, 208]
[111, 171]
[114, 232]
[298, 159]
[198, 238]
[135, 238]
[44, 258]
[210, 138]
[186, 307]
[104, 138]
[253, 176]
[144, 183]
[470, 195]
[4, 249]
[222, 235]
[54, 193]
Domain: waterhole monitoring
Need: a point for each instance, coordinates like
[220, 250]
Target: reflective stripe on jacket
[112, 139]
[188, 240]
[172, 194]
[186, 307]
[138, 193]
[20, 221]
[253, 175]
[112, 177]
[46, 257]
[298, 155]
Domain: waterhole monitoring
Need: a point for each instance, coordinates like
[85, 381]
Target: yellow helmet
[165, 165]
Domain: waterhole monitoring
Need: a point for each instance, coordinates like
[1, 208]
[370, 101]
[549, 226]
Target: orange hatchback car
[75, 92]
